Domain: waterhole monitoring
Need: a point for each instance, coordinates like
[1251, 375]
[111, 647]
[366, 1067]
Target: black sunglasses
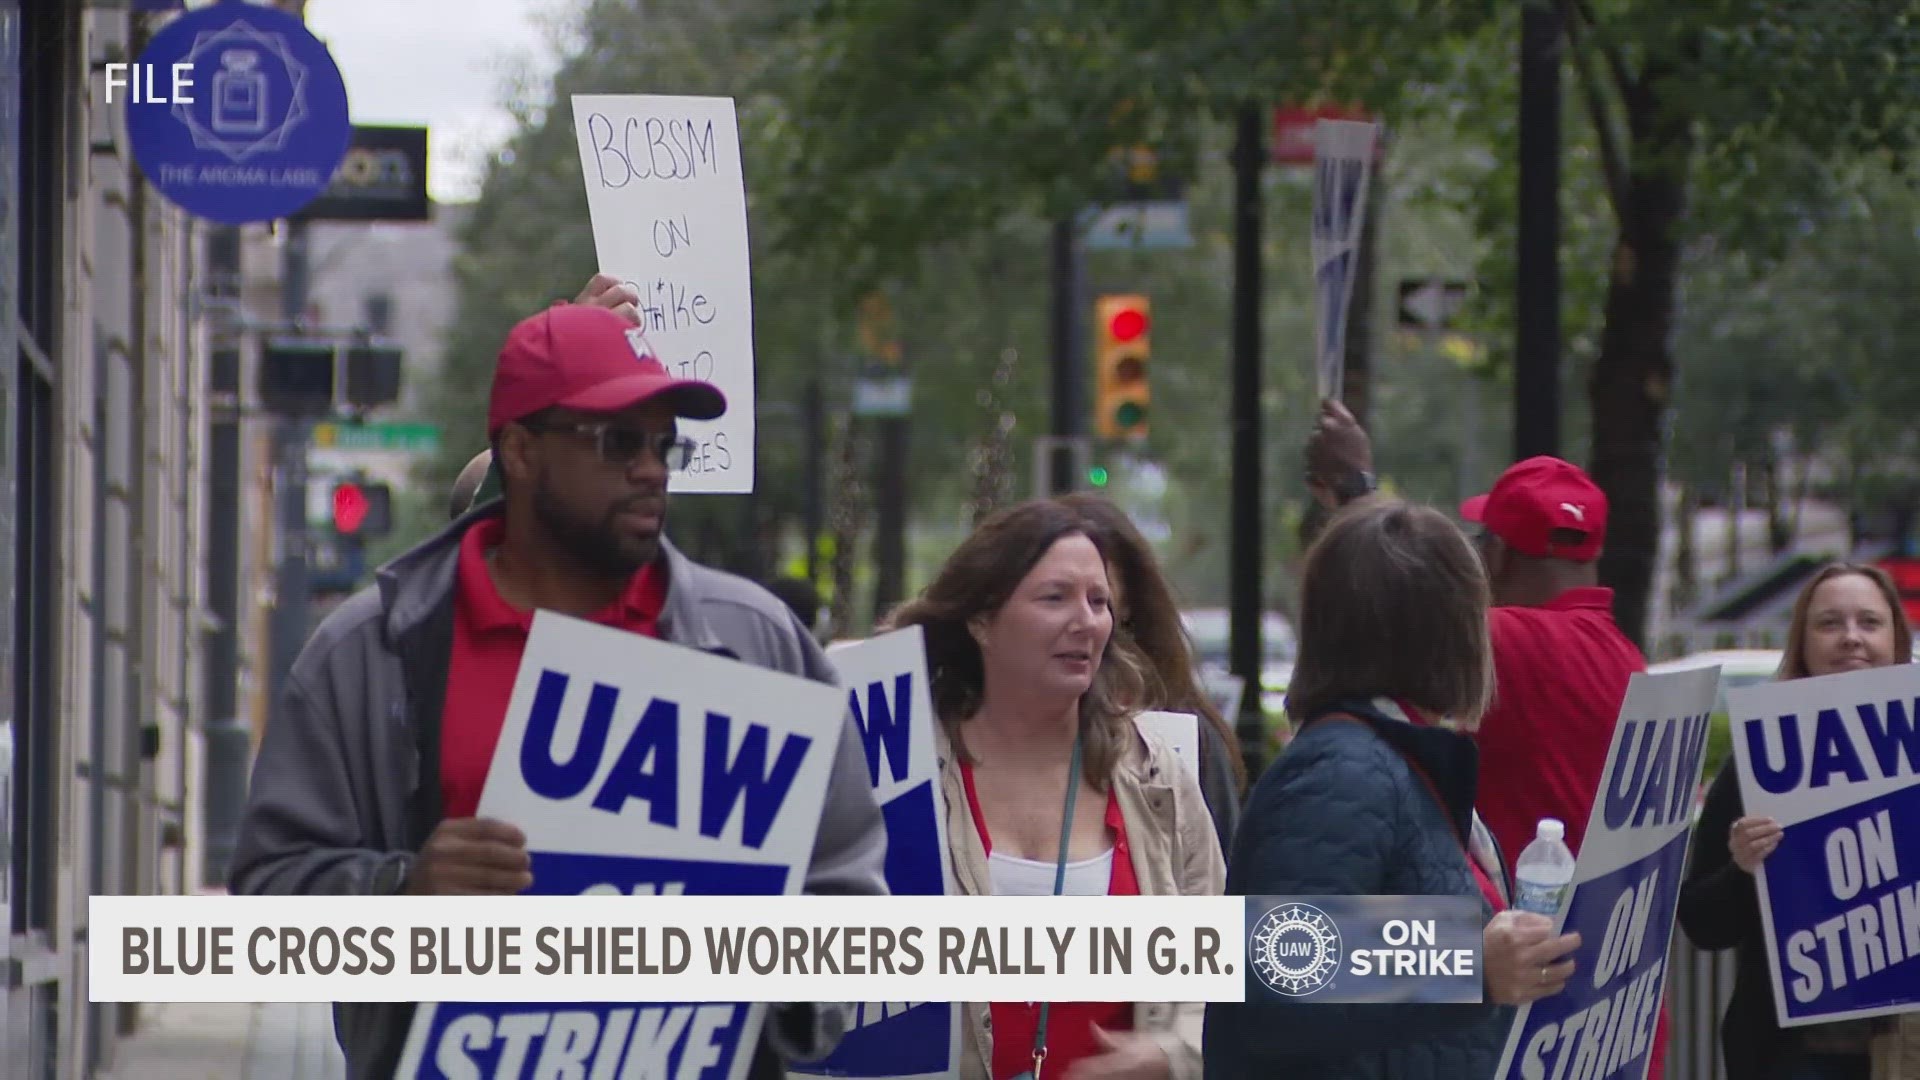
[619, 445]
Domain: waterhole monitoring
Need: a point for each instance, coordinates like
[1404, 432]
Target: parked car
[1738, 667]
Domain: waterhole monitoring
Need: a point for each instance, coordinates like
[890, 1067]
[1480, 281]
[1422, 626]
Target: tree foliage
[1721, 118]
[921, 152]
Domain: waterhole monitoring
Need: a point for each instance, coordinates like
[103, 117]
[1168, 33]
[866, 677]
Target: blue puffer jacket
[1341, 813]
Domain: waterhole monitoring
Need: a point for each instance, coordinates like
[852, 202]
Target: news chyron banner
[1626, 884]
[640, 768]
[1835, 761]
[886, 685]
[1302, 950]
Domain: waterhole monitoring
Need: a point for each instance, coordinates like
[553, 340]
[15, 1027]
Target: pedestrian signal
[362, 510]
[1123, 331]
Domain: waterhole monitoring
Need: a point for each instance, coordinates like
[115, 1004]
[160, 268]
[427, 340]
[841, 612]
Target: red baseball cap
[582, 357]
[1537, 497]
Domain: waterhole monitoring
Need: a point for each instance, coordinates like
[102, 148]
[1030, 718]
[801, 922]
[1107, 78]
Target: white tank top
[1014, 876]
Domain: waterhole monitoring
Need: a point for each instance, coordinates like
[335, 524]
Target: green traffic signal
[1097, 476]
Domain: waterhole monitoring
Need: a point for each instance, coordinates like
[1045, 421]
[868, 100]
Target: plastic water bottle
[1545, 870]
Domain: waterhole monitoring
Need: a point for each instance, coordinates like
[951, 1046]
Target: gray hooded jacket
[346, 785]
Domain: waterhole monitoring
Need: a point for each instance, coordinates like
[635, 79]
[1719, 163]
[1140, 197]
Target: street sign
[1141, 205]
[886, 396]
[1146, 226]
[401, 437]
[264, 123]
[1294, 127]
[1431, 303]
[382, 178]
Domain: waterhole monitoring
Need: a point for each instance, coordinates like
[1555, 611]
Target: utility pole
[890, 517]
[813, 420]
[1246, 597]
[1069, 407]
[290, 610]
[1536, 368]
[229, 740]
[890, 407]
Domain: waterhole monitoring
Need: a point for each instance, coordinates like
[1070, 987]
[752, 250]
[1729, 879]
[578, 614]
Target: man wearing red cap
[1561, 664]
[370, 773]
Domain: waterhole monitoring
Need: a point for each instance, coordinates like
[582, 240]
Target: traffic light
[1122, 332]
[373, 375]
[295, 378]
[362, 510]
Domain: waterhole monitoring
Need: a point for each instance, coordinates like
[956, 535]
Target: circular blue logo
[1295, 949]
[267, 123]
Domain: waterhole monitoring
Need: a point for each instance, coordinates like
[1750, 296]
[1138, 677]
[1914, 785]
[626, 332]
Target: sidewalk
[230, 1042]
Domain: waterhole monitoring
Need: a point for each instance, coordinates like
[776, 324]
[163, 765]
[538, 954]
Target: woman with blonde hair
[1847, 618]
[1050, 786]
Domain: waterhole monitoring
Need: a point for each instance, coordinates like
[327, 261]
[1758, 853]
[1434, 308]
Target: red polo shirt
[1562, 673]
[488, 637]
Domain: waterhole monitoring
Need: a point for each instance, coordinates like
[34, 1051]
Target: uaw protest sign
[888, 694]
[1626, 883]
[1835, 761]
[640, 768]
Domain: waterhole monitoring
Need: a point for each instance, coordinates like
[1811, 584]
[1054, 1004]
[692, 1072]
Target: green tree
[1711, 118]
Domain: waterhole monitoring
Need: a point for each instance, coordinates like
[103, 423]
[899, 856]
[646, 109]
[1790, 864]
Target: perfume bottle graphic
[240, 94]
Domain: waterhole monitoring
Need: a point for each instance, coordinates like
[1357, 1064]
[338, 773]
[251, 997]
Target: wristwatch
[1354, 485]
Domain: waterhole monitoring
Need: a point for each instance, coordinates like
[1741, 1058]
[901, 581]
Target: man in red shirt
[371, 769]
[1561, 664]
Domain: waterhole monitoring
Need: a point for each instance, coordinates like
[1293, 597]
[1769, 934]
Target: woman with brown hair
[1374, 796]
[1847, 618]
[1050, 786]
[1149, 618]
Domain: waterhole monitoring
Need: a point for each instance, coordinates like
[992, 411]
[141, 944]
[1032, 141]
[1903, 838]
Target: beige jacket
[1175, 853]
[1896, 1047]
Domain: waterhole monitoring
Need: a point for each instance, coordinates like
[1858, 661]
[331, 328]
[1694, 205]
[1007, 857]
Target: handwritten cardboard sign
[668, 201]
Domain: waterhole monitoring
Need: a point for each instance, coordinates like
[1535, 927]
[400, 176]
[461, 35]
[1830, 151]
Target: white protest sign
[1343, 156]
[1836, 761]
[668, 199]
[1626, 883]
[891, 703]
[1180, 731]
[640, 768]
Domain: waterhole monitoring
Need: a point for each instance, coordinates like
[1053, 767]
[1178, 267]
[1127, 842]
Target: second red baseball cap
[577, 356]
[1538, 497]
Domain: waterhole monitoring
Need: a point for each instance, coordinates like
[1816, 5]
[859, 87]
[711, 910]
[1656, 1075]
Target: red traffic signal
[1121, 347]
[349, 508]
[1127, 324]
[362, 509]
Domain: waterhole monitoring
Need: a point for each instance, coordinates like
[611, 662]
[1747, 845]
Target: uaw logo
[1295, 949]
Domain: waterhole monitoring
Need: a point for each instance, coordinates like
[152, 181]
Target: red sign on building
[1905, 573]
[1293, 130]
